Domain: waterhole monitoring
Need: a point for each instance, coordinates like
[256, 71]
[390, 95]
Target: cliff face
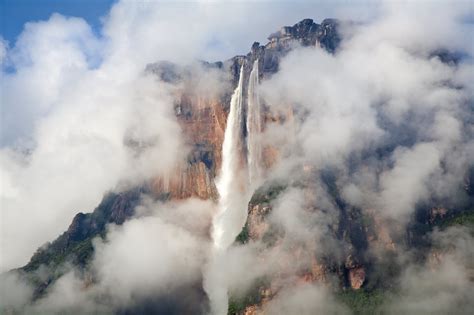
[202, 115]
[115, 208]
[372, 248]
[304, 33]
[203, 124]
[75, 245]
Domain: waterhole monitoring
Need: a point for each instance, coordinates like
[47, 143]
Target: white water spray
[254, 128]
[232, 211]
[231, 185]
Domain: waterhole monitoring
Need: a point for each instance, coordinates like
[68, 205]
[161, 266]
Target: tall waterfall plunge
[235, 186]
[254, 129]
[231, 184]
[232, 207]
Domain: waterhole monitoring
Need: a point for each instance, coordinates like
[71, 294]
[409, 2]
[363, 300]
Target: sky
[15, 13]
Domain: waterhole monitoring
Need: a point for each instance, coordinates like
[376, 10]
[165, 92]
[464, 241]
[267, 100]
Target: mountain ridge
[203, 122]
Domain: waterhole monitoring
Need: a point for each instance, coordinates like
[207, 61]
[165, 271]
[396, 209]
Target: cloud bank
[386, 115]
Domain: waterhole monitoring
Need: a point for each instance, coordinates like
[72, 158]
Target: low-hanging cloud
[385, 107]
[441, 285]
[71, 96]
[384, 113]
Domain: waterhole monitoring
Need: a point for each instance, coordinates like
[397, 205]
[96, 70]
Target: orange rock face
[202, 116]
[381, 234]
[356, 277]
[194, 180]
[318, 272]
[203, 120]
[251, 310]
[257, 225]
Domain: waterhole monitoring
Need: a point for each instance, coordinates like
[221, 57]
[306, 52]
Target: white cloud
[442, 284]
[74, 96]
[390, 119]
[383, 111]
[304, 299]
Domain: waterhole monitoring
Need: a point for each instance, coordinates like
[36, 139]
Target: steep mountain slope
[202, 116]
[201, 113]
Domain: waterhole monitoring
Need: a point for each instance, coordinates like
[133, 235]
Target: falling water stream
[232, 211]
[235, 184]
[254, 128]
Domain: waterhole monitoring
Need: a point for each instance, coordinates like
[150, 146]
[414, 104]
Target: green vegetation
[243, 236]
[82, 252]
[237, 304]
[264, 195]
[78, 253]
[464, 219]
[267, 193]
[362, 301]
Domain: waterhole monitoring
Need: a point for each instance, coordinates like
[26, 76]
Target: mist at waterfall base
[236, 180]
[386, 72]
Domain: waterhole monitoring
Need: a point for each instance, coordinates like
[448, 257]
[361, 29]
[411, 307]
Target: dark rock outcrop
[304, 33]
[75, 246]
[115, 208]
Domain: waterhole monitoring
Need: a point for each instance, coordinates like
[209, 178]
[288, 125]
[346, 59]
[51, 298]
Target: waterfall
[232, 206]
[254, 128]
[233, 186]
[232, 211]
